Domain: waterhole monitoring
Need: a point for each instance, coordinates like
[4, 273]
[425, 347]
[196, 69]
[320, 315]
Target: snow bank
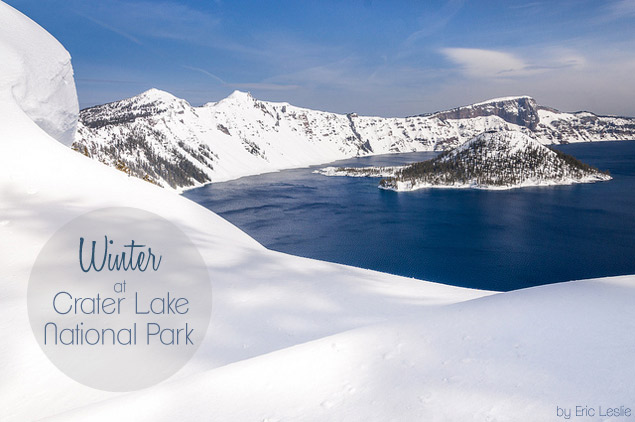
[37, 75]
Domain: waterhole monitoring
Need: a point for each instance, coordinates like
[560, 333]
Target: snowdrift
[290, 338]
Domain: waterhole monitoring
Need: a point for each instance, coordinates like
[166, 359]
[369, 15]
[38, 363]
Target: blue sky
[388, 58]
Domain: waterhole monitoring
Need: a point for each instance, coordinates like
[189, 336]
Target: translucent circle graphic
[119, 299]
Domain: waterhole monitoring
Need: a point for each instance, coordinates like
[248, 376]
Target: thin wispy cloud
[143, 22]
[482, 63]
[621, 9]
[110, 28]
[433, 22]
[602, 79]
[205, 72]
[614, 11]
[166, 20]
[345, 73]
[107, 81]
[530, 5]
[264, 86]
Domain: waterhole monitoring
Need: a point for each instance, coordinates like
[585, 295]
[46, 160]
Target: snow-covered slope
[509, 357]
[292, 338]
[161, 138]
[558, 127]
[166, 140]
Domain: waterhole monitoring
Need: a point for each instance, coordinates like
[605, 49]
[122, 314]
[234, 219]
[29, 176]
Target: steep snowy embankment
[290, 338]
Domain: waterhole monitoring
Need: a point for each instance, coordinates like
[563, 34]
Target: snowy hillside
[163, 139]
[290, 338]
[557, 127]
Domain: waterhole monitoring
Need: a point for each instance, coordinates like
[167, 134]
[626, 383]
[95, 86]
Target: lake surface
[497, 240]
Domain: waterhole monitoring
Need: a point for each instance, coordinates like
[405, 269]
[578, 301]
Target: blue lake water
[498, 240]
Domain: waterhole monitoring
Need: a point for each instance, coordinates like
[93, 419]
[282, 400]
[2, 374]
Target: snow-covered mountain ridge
[164, 139]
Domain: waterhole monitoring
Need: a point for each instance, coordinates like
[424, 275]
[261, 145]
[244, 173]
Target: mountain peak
[154, 94]
[510, 141]
[236, 98]
[240, 95]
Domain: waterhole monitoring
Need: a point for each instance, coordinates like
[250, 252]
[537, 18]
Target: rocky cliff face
[521, 111]
[165, 140]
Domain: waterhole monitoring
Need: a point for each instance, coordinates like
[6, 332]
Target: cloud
[205, 72]
[262, 86]
[111, 28]
[531, 5]
[347, 73]
[480, 63]
[621, 9]
[601, 80]
[166, 19]
[432, 22]
[572, 77]
[139, 19]
[492, 64]
[352, 85]
[107, 81]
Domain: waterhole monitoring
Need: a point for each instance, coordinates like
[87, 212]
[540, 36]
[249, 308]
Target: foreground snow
[509, 357]
[293, 338]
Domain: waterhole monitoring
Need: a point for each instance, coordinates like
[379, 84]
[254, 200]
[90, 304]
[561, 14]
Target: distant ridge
[163, 139]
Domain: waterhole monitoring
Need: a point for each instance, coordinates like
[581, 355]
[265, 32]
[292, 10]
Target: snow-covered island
[491, 160]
